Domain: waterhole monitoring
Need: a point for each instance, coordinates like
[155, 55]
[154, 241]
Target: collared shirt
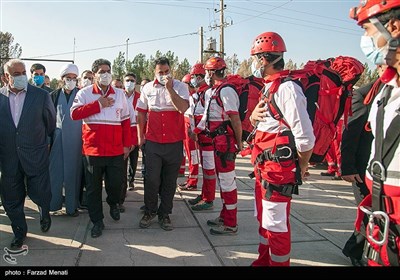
[165, 124]
[16, 103]
[292, 103]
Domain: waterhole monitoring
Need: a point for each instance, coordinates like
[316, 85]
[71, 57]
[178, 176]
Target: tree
[245, 68]
[181, 69]
[8, 49]
[118, 66]
[232, 64]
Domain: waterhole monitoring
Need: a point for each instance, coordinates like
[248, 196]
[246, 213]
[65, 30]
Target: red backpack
[250, 91]
[327, 85]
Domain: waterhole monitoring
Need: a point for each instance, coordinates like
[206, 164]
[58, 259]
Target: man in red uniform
[204, 201]
[106, 141]
[281, 151]
[190, 145]
[162, 102]
[221, 122]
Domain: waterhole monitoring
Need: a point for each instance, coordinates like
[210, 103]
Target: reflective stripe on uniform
[279, 259]
[263, 240]
[231, 206]
[227, 181]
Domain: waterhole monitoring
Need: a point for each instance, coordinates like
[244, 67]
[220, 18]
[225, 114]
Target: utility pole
[201, 44]
[126, 55]
[222, 24]
[221, 30]
[73, 56]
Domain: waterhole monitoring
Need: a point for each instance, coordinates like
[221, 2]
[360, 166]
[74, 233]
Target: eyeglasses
[88, 78]
[133, 81]
[69, 80]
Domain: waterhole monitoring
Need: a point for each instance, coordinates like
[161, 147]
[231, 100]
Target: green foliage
[118, 66]
[143, 67]
[54, 84]
[8, 49]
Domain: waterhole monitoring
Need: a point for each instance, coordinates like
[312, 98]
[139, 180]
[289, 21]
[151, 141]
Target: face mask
[38, 80]
[70, 85]
[162, 78]
[105, 79]
[129, 86]
[207, 79]
[257, 72]
[20, 82]
[86, 82]
[374, 54]
[196, 81]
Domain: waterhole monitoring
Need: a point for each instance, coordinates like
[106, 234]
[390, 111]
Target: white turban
[69, 69]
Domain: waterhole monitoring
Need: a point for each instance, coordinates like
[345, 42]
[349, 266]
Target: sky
[47, 29]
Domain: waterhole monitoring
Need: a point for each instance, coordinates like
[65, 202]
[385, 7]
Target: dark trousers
[82, 192]
[355, 245]
[162, 167]
[143, 167]
[131, 170]
[113, 170]
[13, 191]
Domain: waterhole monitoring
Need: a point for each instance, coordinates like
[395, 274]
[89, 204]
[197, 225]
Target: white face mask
[19, 82]
[105, 79]
[70, 85]
[130, 86]
[257, 71]
[207, 79]
[162, 79]
[86, 82]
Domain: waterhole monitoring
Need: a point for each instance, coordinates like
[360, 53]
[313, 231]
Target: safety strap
[285, 190]
[384, 150]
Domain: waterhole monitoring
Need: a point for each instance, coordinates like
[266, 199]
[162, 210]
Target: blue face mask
[374, 54]
[38, 80]
[20, 82]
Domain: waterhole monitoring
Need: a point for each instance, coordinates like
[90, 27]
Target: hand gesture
[106, 101]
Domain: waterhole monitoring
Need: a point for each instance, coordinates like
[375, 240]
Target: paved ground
[322, 220]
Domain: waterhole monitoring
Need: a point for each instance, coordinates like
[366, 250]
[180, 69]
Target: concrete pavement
[322, 220]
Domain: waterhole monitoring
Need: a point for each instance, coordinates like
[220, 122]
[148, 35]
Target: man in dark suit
[27, 117]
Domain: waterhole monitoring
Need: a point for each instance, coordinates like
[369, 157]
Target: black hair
[161, 61]
[279, 65]
[37, 66]
[391, 14]
[130, 74]
[220, 73]
[96, 64]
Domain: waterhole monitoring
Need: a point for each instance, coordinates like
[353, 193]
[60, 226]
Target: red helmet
[186, 78]
[268, 42]
[370, 8]
[198, 69]
[215, 63]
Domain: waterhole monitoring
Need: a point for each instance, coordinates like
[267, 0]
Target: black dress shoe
[114, 212]
[45, 224]
[17, 243]
[74, 214]
[97, 229]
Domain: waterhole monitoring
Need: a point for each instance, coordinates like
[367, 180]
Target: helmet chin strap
[392, 42]
[272, 63]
